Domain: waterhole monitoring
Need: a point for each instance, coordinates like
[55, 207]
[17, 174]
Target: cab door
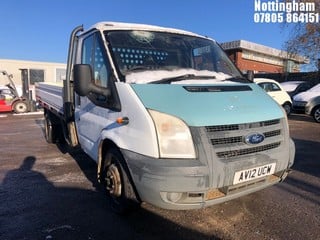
[95, 112]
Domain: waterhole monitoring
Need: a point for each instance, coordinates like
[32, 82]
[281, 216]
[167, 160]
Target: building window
[36, 75]
[259, 57]
[60, 74]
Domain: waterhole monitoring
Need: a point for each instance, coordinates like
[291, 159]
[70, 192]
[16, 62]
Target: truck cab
[170, 120]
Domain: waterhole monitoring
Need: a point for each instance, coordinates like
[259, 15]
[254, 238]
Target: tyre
[20, 107]
[117, 185]
[287, 108]
[316, 114]
[52, 131]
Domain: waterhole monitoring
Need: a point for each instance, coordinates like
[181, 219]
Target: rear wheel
[287, 108]
[117, 184]
[20, 107]
[316, 114]
[52, 131]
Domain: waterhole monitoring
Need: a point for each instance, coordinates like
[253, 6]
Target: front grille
[244, 151]
[272, 133]
[228, 141]
[234, 127]
[222, 128]
[218, 141]
[239, 139]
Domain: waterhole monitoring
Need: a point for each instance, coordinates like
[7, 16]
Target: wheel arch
[287, 102]
[104, 146]
[314, 108]
[21, 100]
[317, 106]
[53, 117]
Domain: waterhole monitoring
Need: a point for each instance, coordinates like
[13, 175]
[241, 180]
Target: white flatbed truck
[167, 117]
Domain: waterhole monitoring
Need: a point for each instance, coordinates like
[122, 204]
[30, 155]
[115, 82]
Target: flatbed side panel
[50, 96]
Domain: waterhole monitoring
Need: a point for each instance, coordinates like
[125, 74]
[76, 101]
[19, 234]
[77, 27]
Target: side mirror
[250, 75]
[83, 85]
[82, 78]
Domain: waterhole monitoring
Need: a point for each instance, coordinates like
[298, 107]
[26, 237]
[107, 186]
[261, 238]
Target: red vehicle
[17, 103]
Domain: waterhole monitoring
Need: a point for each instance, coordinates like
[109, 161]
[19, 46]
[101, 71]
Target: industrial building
[31, 72]
[262, 59]
[36, 71]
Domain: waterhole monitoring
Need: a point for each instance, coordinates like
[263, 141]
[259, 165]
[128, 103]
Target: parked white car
[295, 87]
[300, 100]
[275, 90]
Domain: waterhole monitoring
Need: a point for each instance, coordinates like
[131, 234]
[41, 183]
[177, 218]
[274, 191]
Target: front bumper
[184, 184]
[308, 109]
[299, 106]
[222, 154]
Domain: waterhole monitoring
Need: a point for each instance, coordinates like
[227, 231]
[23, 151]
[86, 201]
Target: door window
[270, 87]
[93, 53]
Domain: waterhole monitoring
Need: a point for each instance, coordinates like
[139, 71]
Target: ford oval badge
[254, 138]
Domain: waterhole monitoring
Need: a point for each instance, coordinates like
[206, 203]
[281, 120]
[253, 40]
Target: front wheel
[316, 114]
[117, 184]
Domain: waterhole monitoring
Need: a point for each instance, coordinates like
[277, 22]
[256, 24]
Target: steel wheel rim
[317, 115]
[113, 181]
[21, 107]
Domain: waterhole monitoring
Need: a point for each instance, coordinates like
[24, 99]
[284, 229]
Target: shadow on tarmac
[300, 117]
[307, 159]
[31, 207]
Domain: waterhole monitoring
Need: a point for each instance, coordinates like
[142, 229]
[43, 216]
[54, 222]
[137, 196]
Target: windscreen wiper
[238, 79]
[182, 77]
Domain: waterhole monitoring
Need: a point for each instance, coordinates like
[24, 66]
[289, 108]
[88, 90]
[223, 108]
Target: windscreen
[136, 51]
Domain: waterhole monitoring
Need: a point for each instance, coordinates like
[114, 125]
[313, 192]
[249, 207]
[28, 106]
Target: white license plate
[254, 173]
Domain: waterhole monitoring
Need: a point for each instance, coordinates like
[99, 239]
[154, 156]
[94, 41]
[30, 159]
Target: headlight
[174, 137]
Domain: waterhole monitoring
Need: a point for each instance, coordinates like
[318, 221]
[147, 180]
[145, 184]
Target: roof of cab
[135, 26]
